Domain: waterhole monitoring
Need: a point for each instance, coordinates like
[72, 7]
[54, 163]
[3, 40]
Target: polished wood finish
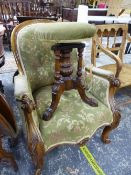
[7, 127]
[108, 31]
[114, 84]
[7, 119]
[35, 142]
[34, 139]
[63, 79]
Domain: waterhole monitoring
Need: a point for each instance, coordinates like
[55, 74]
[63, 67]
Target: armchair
[118, 33]
[72, 121]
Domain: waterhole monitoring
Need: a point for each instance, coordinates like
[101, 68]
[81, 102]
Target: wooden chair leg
[108, 129]
[7, 156]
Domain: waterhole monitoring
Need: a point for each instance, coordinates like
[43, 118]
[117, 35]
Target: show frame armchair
[73, 121]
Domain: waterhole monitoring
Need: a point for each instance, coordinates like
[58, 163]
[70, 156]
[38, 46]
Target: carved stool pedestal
[63, 79]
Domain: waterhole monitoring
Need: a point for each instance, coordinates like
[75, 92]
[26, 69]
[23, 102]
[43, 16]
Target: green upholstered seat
[73, 120]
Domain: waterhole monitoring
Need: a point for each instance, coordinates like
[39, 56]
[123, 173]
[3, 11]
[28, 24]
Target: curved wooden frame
[34, 139]
[35, 142]
[7, 127]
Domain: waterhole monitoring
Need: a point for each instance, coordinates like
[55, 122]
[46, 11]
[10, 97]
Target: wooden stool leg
[6, 156]
[63, 79]
[57, 88]
[80, 86]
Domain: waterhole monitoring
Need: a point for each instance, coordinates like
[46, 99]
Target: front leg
[57, 91]
[108, 129]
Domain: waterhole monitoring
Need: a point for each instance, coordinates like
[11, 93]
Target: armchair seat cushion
[73, 119]
[124, 76]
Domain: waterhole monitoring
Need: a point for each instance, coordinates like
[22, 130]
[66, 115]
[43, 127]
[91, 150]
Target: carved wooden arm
[35, 141]
[113, 56]
[105, 74]
[23, 94]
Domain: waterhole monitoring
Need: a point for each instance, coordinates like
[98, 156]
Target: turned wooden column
[63, 79]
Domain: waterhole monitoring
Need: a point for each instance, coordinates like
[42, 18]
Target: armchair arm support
[21, 87]
[113, 56]
[102, 84]
[105, 74]
[34, 138]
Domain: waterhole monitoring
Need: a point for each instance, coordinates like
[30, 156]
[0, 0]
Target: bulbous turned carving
[63, 76]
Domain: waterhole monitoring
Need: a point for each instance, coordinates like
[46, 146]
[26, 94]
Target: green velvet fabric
[73, 120]
[36, 55]
[60, 32]
[98, 86]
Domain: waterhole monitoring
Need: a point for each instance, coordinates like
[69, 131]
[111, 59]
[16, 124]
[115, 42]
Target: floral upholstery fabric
[73, 119]
[99, 87]
[34, 44]
[39, 60]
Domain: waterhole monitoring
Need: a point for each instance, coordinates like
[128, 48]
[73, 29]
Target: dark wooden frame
[7, 128]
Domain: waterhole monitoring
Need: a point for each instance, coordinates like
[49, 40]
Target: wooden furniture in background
[11, 9]
[7, 119]
[115, 50]
[70, 14]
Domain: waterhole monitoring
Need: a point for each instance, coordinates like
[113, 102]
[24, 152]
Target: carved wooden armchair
[111, 40]
[56, 107]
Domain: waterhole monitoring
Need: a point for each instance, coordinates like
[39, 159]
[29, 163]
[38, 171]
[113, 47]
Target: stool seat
[62, 32]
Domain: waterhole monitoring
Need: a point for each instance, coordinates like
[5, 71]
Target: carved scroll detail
[35, 142]
[114, 84]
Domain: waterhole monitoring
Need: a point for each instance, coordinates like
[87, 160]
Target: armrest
[30, 118]
[22, 88]
[113, 56]
[98, 83]
[100, 72]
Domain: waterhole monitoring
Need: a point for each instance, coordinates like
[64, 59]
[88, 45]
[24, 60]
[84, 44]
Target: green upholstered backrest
[34, 43]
